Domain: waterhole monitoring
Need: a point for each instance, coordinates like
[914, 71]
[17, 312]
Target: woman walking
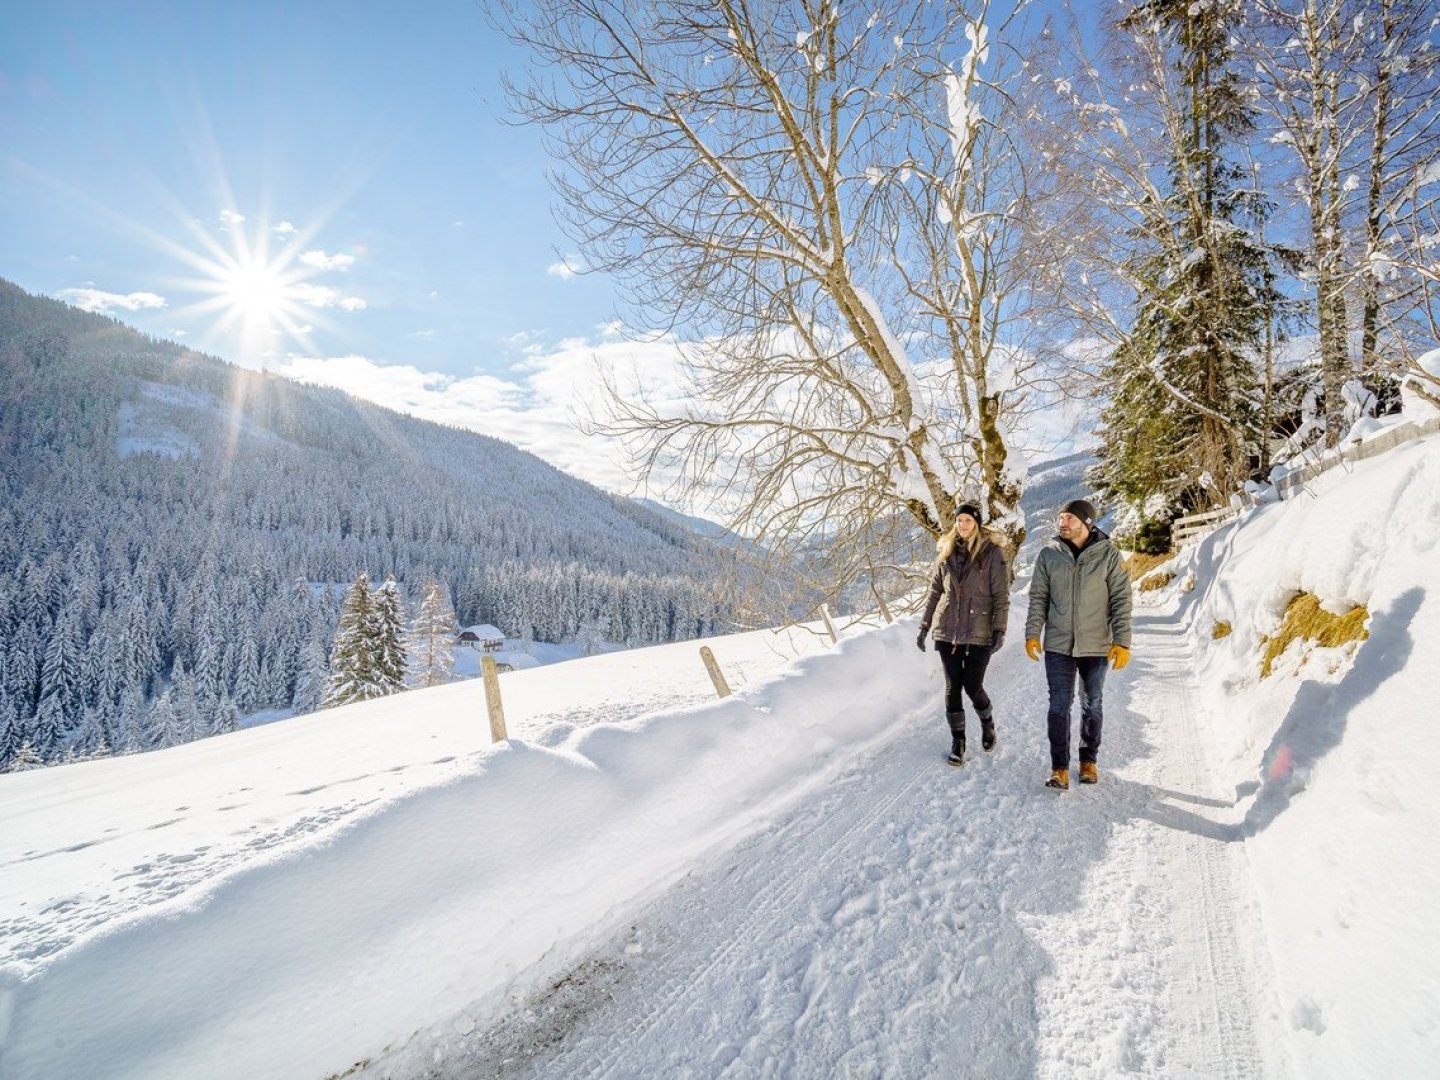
[969, 606]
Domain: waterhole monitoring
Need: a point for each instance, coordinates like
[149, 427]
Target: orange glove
[1032, 648]
[1119, 656]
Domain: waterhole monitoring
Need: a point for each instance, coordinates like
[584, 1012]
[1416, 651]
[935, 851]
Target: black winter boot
[987, 732]
[957, 738]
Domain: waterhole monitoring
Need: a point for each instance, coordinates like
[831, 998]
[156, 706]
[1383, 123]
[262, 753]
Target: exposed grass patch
[1156, 581]
[1138, 564]
[1221, 629]
[1305, 619]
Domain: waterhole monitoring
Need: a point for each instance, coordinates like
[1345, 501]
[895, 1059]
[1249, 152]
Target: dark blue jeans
[1060, 671]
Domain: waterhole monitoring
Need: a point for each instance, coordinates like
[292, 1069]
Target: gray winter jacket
[969, 601]
[1082, 603]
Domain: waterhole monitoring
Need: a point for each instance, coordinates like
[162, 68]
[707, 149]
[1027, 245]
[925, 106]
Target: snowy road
[915, 920]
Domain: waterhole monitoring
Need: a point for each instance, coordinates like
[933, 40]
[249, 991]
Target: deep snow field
[648, 882]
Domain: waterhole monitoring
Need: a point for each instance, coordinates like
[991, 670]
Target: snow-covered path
[914, 920]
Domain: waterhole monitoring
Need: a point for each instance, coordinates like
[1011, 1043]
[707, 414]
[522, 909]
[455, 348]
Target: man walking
[1080, 596]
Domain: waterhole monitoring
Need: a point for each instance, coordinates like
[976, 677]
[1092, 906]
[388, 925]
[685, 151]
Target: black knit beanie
[1082, 509]
[972, 510]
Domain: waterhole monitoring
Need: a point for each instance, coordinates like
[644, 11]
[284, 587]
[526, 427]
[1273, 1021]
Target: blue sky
[397, 236]
[375, 131]
[327, 190]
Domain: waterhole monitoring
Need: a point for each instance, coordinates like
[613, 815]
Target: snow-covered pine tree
[10, 734]
[354, 660]
[25, 759]
[164, 724]
[1182, 420]
[224, 717]
[389, 638]
[430, 642]
[312, 676]
[248, 694]
[61, 694]
[130, 720]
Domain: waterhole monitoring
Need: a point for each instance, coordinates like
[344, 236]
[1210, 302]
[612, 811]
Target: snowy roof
[484, 631]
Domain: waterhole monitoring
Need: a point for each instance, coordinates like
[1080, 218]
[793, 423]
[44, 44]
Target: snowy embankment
[1332, 754]
[283, 901]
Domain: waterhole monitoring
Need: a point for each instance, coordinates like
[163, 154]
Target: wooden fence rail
[1194, 527]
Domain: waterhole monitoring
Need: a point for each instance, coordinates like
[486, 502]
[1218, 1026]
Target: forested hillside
[174, 533]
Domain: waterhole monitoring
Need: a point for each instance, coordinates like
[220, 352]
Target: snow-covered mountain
[646, 881]
[166, 516]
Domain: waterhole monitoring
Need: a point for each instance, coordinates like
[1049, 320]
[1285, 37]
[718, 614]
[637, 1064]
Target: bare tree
[1397, 278]
[1350, 89]
[824, 202]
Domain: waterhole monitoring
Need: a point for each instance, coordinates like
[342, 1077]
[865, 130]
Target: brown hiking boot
[1089, 773]
[1059, 779]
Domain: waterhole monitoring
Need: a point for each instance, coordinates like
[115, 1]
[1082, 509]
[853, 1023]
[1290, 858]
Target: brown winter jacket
[969, 601]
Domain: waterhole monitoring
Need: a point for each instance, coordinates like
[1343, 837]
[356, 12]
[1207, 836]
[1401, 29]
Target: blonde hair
[945, 545]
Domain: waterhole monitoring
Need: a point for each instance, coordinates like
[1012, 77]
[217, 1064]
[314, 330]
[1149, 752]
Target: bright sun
[262, 304]
[254, 290]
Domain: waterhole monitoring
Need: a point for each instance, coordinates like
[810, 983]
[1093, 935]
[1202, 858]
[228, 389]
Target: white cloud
[324, 296]
[285, 228]
[423, 335]
[102, 302]
[567, 267]
[229, 218]
[321, 261]
[537, 407]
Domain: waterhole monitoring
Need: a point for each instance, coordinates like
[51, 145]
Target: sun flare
[261, 303]
[254, 291]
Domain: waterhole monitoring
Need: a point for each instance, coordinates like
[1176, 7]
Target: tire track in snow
[1158, 925]
[767, 900]
[872, 930]
[914, 920]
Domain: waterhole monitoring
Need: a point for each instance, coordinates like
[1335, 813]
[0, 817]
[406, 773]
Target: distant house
[482, 636]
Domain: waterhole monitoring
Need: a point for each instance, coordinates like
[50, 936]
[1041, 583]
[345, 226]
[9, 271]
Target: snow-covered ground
[790, 882]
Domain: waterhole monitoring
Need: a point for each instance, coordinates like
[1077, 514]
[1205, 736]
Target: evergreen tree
[389, 634]
[11, 735]
[248, 695]
[224, 718]
[430, 642]
[131, 722]
[312, 677]
[165, 725]
[25, 759]
[354, 659]
[1183, 421]
[90, 738]
[61, 699]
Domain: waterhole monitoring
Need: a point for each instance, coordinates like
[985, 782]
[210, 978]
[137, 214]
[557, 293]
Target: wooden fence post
[492, 699]
[829, 626]
[716, 676]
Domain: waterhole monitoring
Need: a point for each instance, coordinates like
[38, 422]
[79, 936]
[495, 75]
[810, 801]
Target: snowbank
[330, 950]
[1330, 755]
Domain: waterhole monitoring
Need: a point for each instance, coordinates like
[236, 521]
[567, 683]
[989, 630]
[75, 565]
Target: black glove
[997, 641]
[920, 641]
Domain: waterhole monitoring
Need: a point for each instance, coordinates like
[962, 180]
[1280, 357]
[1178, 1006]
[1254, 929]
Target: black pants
[965, 671]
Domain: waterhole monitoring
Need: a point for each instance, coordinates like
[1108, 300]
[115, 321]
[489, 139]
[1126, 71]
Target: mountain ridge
[161, 507]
